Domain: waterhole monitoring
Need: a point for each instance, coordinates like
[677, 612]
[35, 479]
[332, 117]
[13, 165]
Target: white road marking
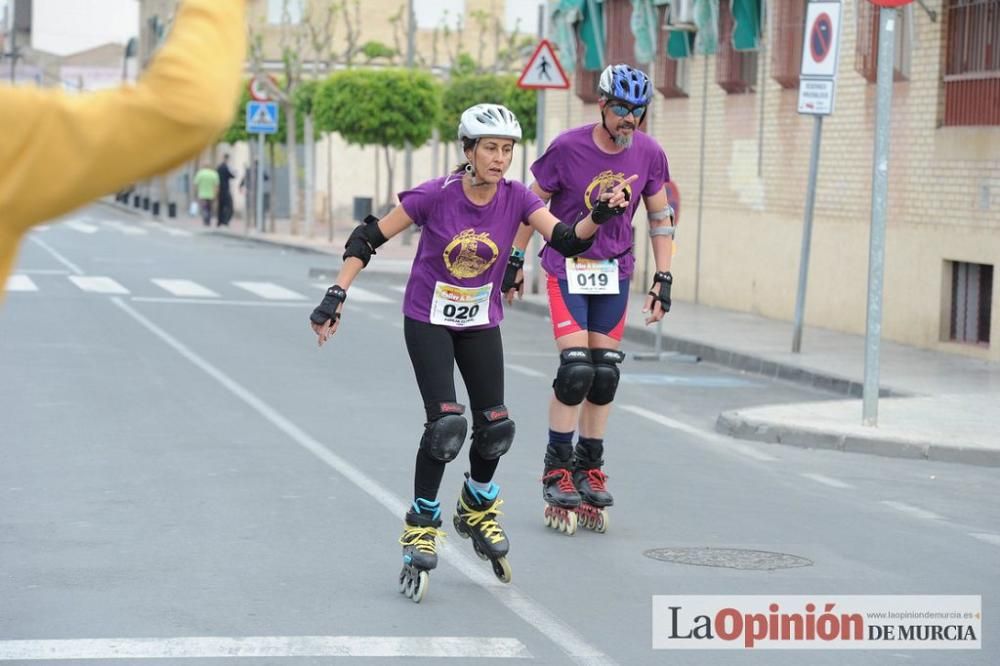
[97, 284]
[73, 268]
[826, 480]
[127, 229]
[184, 288]
[213, 301]
[726, 442]
[986, 537]
[270, 291]
[401, 288]
[359, 295]
[525, 371]
[533, 613]
[207, 647]
[82, 227]
[172, 231]
[914, 511]
[18, 282]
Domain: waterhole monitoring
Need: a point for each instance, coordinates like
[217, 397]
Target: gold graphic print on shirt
[462, 254]
[604, 182]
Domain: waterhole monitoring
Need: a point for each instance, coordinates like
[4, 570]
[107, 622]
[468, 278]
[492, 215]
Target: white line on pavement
[207, 647]
[18, 282]
[206, 301]
[126, 229]
[82, 227]
[826, 480]
[725, 442]
[270, 291]
[533, 613]
[401, 288]
[529, 372]
[73, 268]
[985, 536]
[914, 511]
[97, 284]
[359, 295]
[184, 288]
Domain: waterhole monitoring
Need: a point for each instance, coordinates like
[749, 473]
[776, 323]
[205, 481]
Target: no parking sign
[820, 52]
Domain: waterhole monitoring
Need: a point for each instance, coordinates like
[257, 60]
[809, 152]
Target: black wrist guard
[364, 240]
[565, 241]
[327, 309]
[661, 289]
[510, 281]
[603, 212]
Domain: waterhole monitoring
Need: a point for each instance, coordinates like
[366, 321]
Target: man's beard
[624, 140]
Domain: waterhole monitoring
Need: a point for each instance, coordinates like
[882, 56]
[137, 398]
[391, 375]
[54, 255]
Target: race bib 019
[592, 276]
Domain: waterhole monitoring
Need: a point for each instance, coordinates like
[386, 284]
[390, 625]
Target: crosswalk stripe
[270, 291]
[126, 229]
[273, 647]
[173, 231]
[184, 288]
[97, 284]
[20, 283]
[359, 295]
[82, 227]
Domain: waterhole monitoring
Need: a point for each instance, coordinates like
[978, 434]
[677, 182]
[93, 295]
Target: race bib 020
[461, 306]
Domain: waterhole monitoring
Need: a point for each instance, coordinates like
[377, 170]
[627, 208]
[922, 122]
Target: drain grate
[729, 558]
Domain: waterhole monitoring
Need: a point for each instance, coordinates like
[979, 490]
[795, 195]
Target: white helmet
[489, 120]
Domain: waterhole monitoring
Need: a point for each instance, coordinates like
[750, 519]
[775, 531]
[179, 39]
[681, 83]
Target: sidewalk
[935, 406]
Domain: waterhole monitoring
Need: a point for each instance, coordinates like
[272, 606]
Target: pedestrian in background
[225, 202]
[206, 185]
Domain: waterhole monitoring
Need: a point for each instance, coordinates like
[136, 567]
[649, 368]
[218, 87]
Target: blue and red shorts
[597, 313]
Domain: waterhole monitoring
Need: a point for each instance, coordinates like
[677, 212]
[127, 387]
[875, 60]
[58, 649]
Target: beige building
[943, 242]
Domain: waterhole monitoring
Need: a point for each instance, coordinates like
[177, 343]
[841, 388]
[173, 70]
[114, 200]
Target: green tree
[386, 108]
[237, 131]
[461, 92]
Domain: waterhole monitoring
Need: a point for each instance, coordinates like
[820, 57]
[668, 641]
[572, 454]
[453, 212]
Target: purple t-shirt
[462, 244]
[576, 172]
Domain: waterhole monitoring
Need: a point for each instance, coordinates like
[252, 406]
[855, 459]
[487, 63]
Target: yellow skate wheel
[502, 570]
[602, 522]
[420, 587]
[402, 581]
[571, 523]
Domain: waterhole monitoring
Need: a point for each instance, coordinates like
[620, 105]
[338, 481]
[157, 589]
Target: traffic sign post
[261, 119]
[880, 192]
[817, 87]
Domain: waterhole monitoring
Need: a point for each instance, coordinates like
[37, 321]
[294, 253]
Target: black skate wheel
[402, 581]
[479, 551]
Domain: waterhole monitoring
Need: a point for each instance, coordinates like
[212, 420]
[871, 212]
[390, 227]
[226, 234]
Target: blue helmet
[627, 84]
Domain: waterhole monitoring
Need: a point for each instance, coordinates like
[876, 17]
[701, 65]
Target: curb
[740, 426]
[748, 363]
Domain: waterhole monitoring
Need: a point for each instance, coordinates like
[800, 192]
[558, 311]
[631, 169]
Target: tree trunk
[329, 184]
[388, 179]
[270, 189]
[378, 171]
[310, 198]
[291, 139]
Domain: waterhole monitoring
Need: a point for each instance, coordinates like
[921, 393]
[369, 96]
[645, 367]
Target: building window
[972, 63]
[619, 42]
[788, 19]
[866, 46]
[971, 302]
[670, 72]
[276, 10]
[735, 71]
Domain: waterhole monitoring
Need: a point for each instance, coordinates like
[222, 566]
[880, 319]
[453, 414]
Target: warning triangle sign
[543, 69]
[262, 116]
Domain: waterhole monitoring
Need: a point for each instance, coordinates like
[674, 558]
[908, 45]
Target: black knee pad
[445, 430]
[492, 432]
[606, 375]
[574, 377]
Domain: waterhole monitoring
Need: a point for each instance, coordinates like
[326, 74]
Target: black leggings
[434, 351]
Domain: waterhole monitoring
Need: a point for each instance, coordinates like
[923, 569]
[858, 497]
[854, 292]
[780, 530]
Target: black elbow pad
[565, 241]
[364, 240]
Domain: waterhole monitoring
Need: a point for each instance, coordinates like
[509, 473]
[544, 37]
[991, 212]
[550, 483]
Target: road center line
[61, 259]
[826, 480]
[914, 511]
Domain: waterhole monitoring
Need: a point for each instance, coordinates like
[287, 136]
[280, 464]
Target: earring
[469, 170]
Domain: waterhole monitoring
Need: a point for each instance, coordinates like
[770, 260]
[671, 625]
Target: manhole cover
[730, 558]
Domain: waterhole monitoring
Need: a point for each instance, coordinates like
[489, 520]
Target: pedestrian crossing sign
[543, 69]
[262, 117]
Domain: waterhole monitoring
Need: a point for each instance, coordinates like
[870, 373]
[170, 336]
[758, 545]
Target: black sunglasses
[621, 109]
